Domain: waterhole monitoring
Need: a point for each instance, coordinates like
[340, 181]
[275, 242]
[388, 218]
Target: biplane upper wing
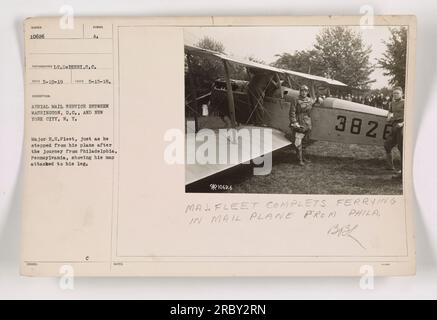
[314, 77]
[253, 64]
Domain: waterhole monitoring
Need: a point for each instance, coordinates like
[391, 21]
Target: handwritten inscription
[338, 218]
[253, 205]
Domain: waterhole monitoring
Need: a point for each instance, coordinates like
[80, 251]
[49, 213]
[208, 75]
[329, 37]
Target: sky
[264, 42]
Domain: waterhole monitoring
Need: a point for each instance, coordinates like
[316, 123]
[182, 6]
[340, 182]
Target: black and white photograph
[295, 109]
[218, 155]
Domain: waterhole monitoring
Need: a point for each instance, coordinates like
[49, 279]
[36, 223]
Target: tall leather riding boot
[389, 161]
[299, 156]
[402, 155]
[305, 156]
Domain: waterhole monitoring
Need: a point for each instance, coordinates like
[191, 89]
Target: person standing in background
[396, 119]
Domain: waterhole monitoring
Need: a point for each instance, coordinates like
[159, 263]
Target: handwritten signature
[345, 231]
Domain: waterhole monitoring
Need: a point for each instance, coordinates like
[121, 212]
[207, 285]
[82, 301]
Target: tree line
[338, 53]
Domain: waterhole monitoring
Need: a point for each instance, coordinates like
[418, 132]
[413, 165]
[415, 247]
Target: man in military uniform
[300, 123]
[396, 119]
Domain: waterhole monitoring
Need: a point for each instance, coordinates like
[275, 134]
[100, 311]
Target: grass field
[334, 169]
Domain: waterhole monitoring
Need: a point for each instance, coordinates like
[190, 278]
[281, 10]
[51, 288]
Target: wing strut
[231, 104]
[193, 92]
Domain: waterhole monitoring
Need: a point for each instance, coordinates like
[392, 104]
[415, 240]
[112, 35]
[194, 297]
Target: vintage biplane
[333, 119]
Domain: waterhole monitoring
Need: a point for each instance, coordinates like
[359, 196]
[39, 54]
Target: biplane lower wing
[196, 171]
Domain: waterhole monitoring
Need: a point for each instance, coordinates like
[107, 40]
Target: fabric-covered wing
[256, 147]
[252, 64]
